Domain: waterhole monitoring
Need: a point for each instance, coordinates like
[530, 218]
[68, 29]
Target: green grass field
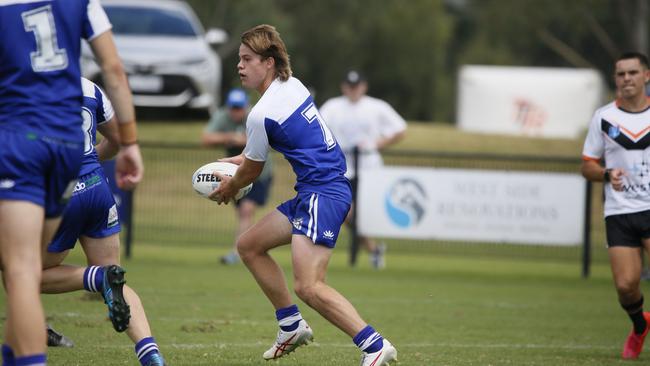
[440, 304]
[438, 310]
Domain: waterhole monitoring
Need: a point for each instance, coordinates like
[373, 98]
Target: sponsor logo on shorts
[7, 184]
[112, 216]
[88, 183]
[329, 234]
[297, 223]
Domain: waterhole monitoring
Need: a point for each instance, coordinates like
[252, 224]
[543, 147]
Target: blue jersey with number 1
[40, 43]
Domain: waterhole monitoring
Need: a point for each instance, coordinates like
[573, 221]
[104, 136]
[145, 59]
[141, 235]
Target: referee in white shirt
[371, 124]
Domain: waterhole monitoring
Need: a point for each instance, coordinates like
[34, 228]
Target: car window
[128, 20]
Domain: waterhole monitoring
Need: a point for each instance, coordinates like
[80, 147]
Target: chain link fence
[166, 210]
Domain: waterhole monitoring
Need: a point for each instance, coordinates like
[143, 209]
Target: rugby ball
[204, 182]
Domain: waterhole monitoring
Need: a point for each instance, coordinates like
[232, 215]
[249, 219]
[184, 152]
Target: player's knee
[626, 287]
[306, 292]
[245, 247]
[21, 276]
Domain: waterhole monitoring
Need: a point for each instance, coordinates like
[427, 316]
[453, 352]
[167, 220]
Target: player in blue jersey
[42, 144]
[287, 120]
[91, 216]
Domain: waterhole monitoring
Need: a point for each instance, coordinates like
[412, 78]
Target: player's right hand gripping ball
[204, 182]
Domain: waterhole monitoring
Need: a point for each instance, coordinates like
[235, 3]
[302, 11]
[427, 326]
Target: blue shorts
[91, 212]
[316, 216]
[259, 193]
[39, 170]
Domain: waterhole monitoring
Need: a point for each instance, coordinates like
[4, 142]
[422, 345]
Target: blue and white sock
[33, 360]
[146, 348]
[8, 358]
[94, 278]
[288, 318]
[368, 340]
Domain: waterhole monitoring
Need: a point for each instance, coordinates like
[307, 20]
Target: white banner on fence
[472, 205]
[530, 101]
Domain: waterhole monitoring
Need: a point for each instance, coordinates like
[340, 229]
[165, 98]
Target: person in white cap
[371, 124]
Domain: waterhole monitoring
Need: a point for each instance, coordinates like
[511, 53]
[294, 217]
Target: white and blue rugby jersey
[286, 119]
[40, 45]
[97, 110]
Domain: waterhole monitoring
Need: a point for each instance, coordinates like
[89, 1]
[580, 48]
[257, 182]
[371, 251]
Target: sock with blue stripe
[146, 348]
[368, 340]
[288, 318]
[94, 278]
[8, 358]
[33, 360]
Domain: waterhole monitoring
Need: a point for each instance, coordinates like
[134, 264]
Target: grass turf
[437, 310]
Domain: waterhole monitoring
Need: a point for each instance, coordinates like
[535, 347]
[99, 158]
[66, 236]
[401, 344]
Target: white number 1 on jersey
[48, 56]
[311, 113]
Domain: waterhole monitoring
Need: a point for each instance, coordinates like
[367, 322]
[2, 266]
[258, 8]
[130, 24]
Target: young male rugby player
[620, 133]
[287, 120]
[91, 217]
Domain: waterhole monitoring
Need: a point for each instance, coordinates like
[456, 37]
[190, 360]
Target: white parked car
[165, 52]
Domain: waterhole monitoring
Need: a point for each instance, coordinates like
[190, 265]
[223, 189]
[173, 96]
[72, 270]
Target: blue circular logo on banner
[404, 202]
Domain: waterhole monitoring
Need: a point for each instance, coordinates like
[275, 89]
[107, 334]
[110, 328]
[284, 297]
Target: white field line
[227, 345]
[224, 345]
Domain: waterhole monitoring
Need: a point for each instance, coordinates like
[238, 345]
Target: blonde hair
[265, 41]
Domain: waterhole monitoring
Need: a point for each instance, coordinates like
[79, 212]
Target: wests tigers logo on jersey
[626, 138]
[613, 132]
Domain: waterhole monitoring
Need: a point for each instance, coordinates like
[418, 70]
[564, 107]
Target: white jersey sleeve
[594, 146]
[106, 108]
[97, 19]
[257, 141]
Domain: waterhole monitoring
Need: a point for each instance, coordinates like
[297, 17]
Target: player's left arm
[592, 170]
[237, 159]
[110, 144]
[129, 168]
[246, 174]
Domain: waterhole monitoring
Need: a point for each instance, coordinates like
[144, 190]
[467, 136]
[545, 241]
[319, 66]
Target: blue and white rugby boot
[156, 360]
[113, 284]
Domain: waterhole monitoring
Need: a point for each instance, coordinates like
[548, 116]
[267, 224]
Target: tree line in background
[411, 50]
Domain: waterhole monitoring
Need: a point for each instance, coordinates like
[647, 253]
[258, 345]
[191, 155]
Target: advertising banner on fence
[528, 101]
[472, 205]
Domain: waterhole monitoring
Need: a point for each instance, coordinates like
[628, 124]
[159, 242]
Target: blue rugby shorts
[316, 216]
[91, 212]
[39, 170]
